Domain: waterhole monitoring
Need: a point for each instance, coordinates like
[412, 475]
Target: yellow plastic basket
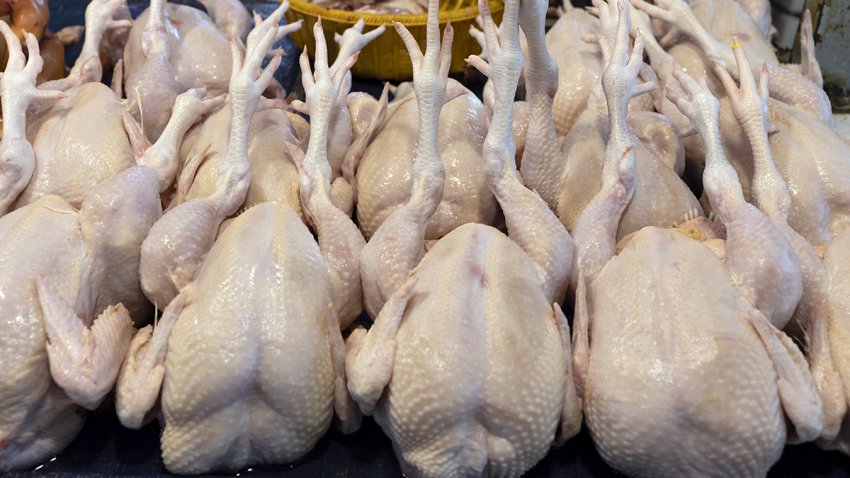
[386, 57]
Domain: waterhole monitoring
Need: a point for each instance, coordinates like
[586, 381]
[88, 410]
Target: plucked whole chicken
[64, 266]
[248, 268]
[648, 364]
[451, 410]
[251, 368]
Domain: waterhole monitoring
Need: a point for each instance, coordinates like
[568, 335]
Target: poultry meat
[274, 176]
[567, 175]
[170, 49]
[651, 376]
[714, 24]
[822, 310]
[69, 157]
[439, 367]
[62, 267]
[221, 352]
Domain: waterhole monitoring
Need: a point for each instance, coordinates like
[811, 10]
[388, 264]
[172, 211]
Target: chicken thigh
[655, 368]
[61, 268]
[251, 366]
[439, 367]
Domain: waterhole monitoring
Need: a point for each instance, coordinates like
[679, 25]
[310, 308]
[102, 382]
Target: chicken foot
[341, 133]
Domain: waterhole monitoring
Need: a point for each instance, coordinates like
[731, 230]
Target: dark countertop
[104, 448]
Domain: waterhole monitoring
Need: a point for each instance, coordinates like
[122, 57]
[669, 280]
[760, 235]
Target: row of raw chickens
[676, 358]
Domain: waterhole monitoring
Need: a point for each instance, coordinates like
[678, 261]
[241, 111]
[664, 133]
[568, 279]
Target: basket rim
[376, 19]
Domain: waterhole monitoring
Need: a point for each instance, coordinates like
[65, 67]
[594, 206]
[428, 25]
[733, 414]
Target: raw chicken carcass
[384, 178]
[61, 268]
[823, 312]
[661, 363]
[472, 322]
[172, 48]
[68, 155]
[251, 363]
[567, 175]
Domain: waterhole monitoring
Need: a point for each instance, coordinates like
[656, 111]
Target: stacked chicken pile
[191, 189]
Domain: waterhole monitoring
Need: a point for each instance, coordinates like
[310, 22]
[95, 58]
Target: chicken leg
[595, 231]
[177, 243]
[399, 244]
[530, 222]
[339, 239]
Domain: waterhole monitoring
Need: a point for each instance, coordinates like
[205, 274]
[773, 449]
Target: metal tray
[105, 448]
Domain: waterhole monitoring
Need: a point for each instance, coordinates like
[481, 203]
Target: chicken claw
[322, 87]
[88, 67]
[749, 102]
[352, 41]
[503, 69]
[431, 69]
[695, 101]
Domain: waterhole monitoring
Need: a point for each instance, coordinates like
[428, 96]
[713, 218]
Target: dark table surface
[104, 448]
